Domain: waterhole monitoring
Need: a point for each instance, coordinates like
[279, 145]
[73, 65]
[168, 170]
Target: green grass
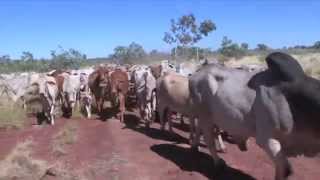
[11, 116]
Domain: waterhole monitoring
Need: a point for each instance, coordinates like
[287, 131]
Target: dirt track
[110, 150]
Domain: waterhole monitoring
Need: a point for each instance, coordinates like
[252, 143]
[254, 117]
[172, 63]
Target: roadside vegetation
[11, 115]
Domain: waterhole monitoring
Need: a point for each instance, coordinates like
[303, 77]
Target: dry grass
[77, 113]
[11, 115]
[65, 137]
[19, 165]
[309, 61]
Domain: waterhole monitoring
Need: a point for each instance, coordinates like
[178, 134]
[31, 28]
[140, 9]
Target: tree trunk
[197, 53]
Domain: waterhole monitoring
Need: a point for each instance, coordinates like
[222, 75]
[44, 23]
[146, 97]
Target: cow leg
[194, 137]
[88, 109]
[148, 112]
[181, 119]
[99, 104]
[153, 106]
[122, 106]
[209, 137]
[168, 116]
[273, 148]
[52, 114]
[162, 114]
[218, 141]
[219, 144]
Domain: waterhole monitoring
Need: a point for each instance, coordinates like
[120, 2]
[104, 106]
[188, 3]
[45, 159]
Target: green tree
[5, 59]
[27, 56]
[244, 46]
[316, 45]
[186, 31]
[66, 59]
[230, 49]
[129, 54]
[262, 47]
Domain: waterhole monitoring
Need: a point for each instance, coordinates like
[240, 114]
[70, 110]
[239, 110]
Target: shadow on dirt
[197, 161]
[133, 122]
[108, 113]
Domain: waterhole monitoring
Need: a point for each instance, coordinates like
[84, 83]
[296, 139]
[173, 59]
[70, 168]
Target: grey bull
[173, 95]
[263, 105]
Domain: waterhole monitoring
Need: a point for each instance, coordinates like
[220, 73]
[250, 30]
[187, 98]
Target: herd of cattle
[278, 105]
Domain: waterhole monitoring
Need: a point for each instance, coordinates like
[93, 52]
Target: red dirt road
[111, 150]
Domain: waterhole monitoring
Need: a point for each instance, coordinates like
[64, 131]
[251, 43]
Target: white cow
[45, 91]
[85, 97]
[145, 85]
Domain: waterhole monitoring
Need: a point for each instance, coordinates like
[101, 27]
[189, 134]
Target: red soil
[111, 150]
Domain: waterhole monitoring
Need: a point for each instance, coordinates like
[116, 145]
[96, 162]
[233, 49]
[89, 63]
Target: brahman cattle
[84, 96]
[279, 107]
[119, 87]
[44, 93]
[173, 95]
[98, 83]
[144, 87]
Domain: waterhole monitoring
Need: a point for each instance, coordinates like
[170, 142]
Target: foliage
[66, 59]
[186, 31]
[4, 59]
[128, 54]
[230, 49]
[60, 59]
[316, 45]
[11, 116]
[262, 47]
[27, 56]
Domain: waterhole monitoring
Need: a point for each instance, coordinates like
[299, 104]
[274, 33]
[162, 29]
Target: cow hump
[284, 66]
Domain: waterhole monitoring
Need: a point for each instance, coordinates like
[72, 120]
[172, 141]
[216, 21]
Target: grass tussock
[11, 115]
[66, 136]
[19, 165]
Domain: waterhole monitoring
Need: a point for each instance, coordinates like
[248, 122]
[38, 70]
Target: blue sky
[96, 27]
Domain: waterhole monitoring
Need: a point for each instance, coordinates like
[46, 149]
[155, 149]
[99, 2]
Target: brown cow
[98, 84]
[119, 85]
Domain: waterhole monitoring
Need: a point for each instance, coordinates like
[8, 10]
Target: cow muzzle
[103, 84]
